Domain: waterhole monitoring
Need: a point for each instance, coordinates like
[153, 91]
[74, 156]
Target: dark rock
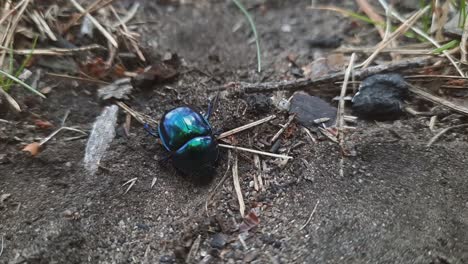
[326, 42]
[310, 108]
[166, 259]
[160, 72]
[142, 226]
[380, 97]
[218, 241]
[259, 102]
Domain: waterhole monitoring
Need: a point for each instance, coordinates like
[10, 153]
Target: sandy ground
[398, 201]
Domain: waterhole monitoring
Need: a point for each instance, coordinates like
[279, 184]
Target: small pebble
[218, 241]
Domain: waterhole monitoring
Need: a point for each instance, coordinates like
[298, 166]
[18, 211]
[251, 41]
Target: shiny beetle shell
[187, 135]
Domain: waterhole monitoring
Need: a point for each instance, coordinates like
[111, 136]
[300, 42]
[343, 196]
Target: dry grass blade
[153, 182]
[237, 187]
[463, 42]
[1, 248]
[51, 51]
[422, 34]
[370, 12]
[78, 17]
[11, 11]
[285, 126]
[438, 100]
[258, 166]
[445, 130]
[10, 100]
[76, 78]
[311, 215]
[129, 36]
[53, 134]
[141, 118]
[130, 183]
[401, 29]
[131, 13]
[42, 25]
[95, 23]
[256, 151]
[11, 31]
[226, 174]
[245, 127]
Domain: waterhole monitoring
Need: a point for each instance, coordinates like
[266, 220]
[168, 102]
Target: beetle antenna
[150, 130]
[212, 105]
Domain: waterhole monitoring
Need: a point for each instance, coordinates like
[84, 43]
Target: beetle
[188, 137]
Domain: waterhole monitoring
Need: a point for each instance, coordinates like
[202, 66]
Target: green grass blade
[462, 13]
[254, 30]
[449, 45]
[25, 85]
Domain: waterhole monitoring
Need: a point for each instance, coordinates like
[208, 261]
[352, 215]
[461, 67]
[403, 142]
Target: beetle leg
[211, 106]
[217, 132]
[150, 130]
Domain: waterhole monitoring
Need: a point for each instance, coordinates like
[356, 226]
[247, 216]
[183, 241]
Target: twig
[437, 100]
[311, 215]
[51, 51]
[311, 84]
[235, 178]
[95, 23]
[131, 182]
[283, 128]
[401, 29]
[226, 174]
[398, 50]
[424, 76]
[340, 111]
[245, 127]
[328, 134]
[256, 151]
[76, 78]
[445, 130]
[424, 35]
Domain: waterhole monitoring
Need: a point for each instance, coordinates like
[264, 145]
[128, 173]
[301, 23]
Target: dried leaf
[95, 68]
[157, 73]
[33, 148]
[120, 89]
[250, 221]
[41, 124]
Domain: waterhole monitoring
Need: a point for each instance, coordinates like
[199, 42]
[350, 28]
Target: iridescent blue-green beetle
[188, 137]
